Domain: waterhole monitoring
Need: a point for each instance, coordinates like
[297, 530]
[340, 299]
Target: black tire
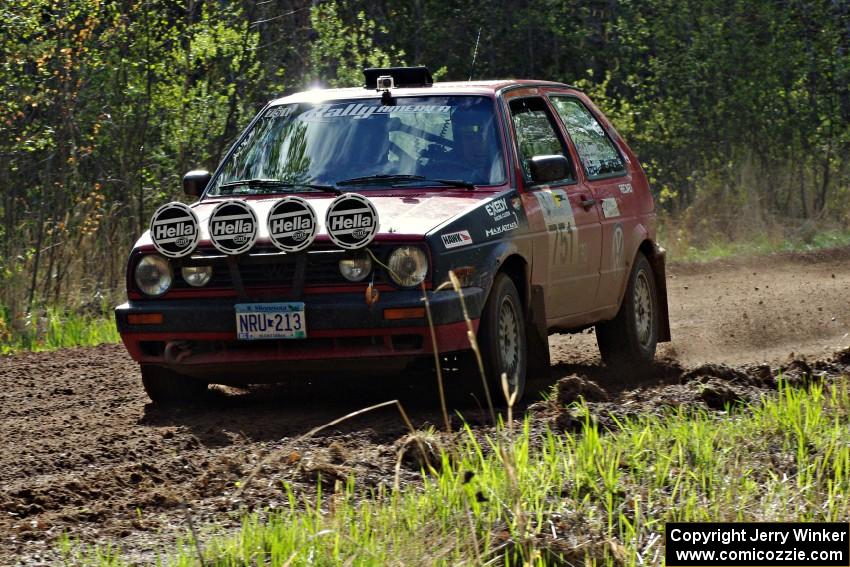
[502, 339]
[631, 336]
[164, 386]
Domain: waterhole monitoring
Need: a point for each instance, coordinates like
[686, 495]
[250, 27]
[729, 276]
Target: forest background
[738, 109]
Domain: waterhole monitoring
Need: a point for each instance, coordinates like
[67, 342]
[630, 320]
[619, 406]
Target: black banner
[739, 544]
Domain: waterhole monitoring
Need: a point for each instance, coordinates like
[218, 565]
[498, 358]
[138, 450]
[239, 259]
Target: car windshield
[413, 141]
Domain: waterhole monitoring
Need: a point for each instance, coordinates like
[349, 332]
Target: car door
[607, 176]
[563, 211]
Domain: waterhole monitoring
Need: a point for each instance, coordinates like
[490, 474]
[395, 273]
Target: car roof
[481, 88]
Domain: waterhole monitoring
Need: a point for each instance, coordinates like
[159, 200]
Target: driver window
[536, 133]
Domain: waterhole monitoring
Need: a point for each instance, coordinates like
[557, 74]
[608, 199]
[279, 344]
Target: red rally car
[313, 242]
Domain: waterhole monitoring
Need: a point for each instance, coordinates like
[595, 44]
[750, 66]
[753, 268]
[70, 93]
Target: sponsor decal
[610, 209]
[456, 239]
[292, 224]
[618, 243]
[360, 111]
[561, 225]
[175, 230]
[498, 209]
[351, 221]
[500, 212]
[233, 227]
[280, 111]
[625, 188]
[556, 208]
[507, 227]
[516, 202]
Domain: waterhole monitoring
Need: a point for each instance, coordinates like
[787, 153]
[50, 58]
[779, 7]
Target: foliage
[680, 248]
[547, 498]
[341, 51]
[50, 330]
[105, 104]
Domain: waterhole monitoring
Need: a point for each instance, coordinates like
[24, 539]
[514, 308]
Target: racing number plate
[270, 321]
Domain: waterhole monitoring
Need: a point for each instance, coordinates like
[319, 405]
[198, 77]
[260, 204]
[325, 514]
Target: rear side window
[536, 132]
[597, 152]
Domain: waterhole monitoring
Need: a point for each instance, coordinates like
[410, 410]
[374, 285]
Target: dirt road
[750, 310]
[84, 453]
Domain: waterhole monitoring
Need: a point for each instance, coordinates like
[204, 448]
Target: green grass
[757, 246]
[537, 497]
[56, 329]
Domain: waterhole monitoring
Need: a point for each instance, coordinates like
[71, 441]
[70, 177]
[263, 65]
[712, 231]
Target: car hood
[408, 214]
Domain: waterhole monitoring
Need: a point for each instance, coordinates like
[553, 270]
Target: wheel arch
[656, 255]
[516, 267]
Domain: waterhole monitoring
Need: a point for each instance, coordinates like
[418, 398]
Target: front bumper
[202, 332]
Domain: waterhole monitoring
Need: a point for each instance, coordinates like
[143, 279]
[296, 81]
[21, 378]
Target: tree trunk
[230, 122]
[38, 242]
[144, 128]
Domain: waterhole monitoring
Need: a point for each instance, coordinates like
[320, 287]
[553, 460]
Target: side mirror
[195, 182]
[545, 169]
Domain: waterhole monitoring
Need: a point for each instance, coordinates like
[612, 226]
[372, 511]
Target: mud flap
[537, 335]
[657, 261]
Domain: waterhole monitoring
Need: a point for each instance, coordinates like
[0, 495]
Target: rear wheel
[164, 386]
[631, 337]
[502, 339]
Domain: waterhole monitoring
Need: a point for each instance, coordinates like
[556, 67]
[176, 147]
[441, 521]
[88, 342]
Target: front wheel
[502, 339]
[164, 386]
[631, 337]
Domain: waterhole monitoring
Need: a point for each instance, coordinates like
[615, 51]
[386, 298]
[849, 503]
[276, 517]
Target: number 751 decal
[560, 221]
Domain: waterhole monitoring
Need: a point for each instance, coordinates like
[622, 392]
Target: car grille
[272, 268]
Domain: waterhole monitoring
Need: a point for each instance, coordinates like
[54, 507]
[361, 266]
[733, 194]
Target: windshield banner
[357, 111]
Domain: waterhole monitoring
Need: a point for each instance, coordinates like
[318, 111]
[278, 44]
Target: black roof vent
[402, 76]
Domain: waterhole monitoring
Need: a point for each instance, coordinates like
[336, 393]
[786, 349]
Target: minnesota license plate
[270, 321]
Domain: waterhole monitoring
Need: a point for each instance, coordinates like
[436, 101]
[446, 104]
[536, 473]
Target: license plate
[270, 321]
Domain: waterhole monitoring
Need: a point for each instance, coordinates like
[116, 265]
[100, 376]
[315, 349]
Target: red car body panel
[580, 273]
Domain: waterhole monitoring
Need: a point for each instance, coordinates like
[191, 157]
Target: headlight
[196, 276]
[355, 268]
[408, 266]
[153, 275]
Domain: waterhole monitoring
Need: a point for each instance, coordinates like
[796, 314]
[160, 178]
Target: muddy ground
[83, 451]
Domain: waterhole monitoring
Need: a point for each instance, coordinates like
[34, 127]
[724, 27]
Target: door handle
[587, 203]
